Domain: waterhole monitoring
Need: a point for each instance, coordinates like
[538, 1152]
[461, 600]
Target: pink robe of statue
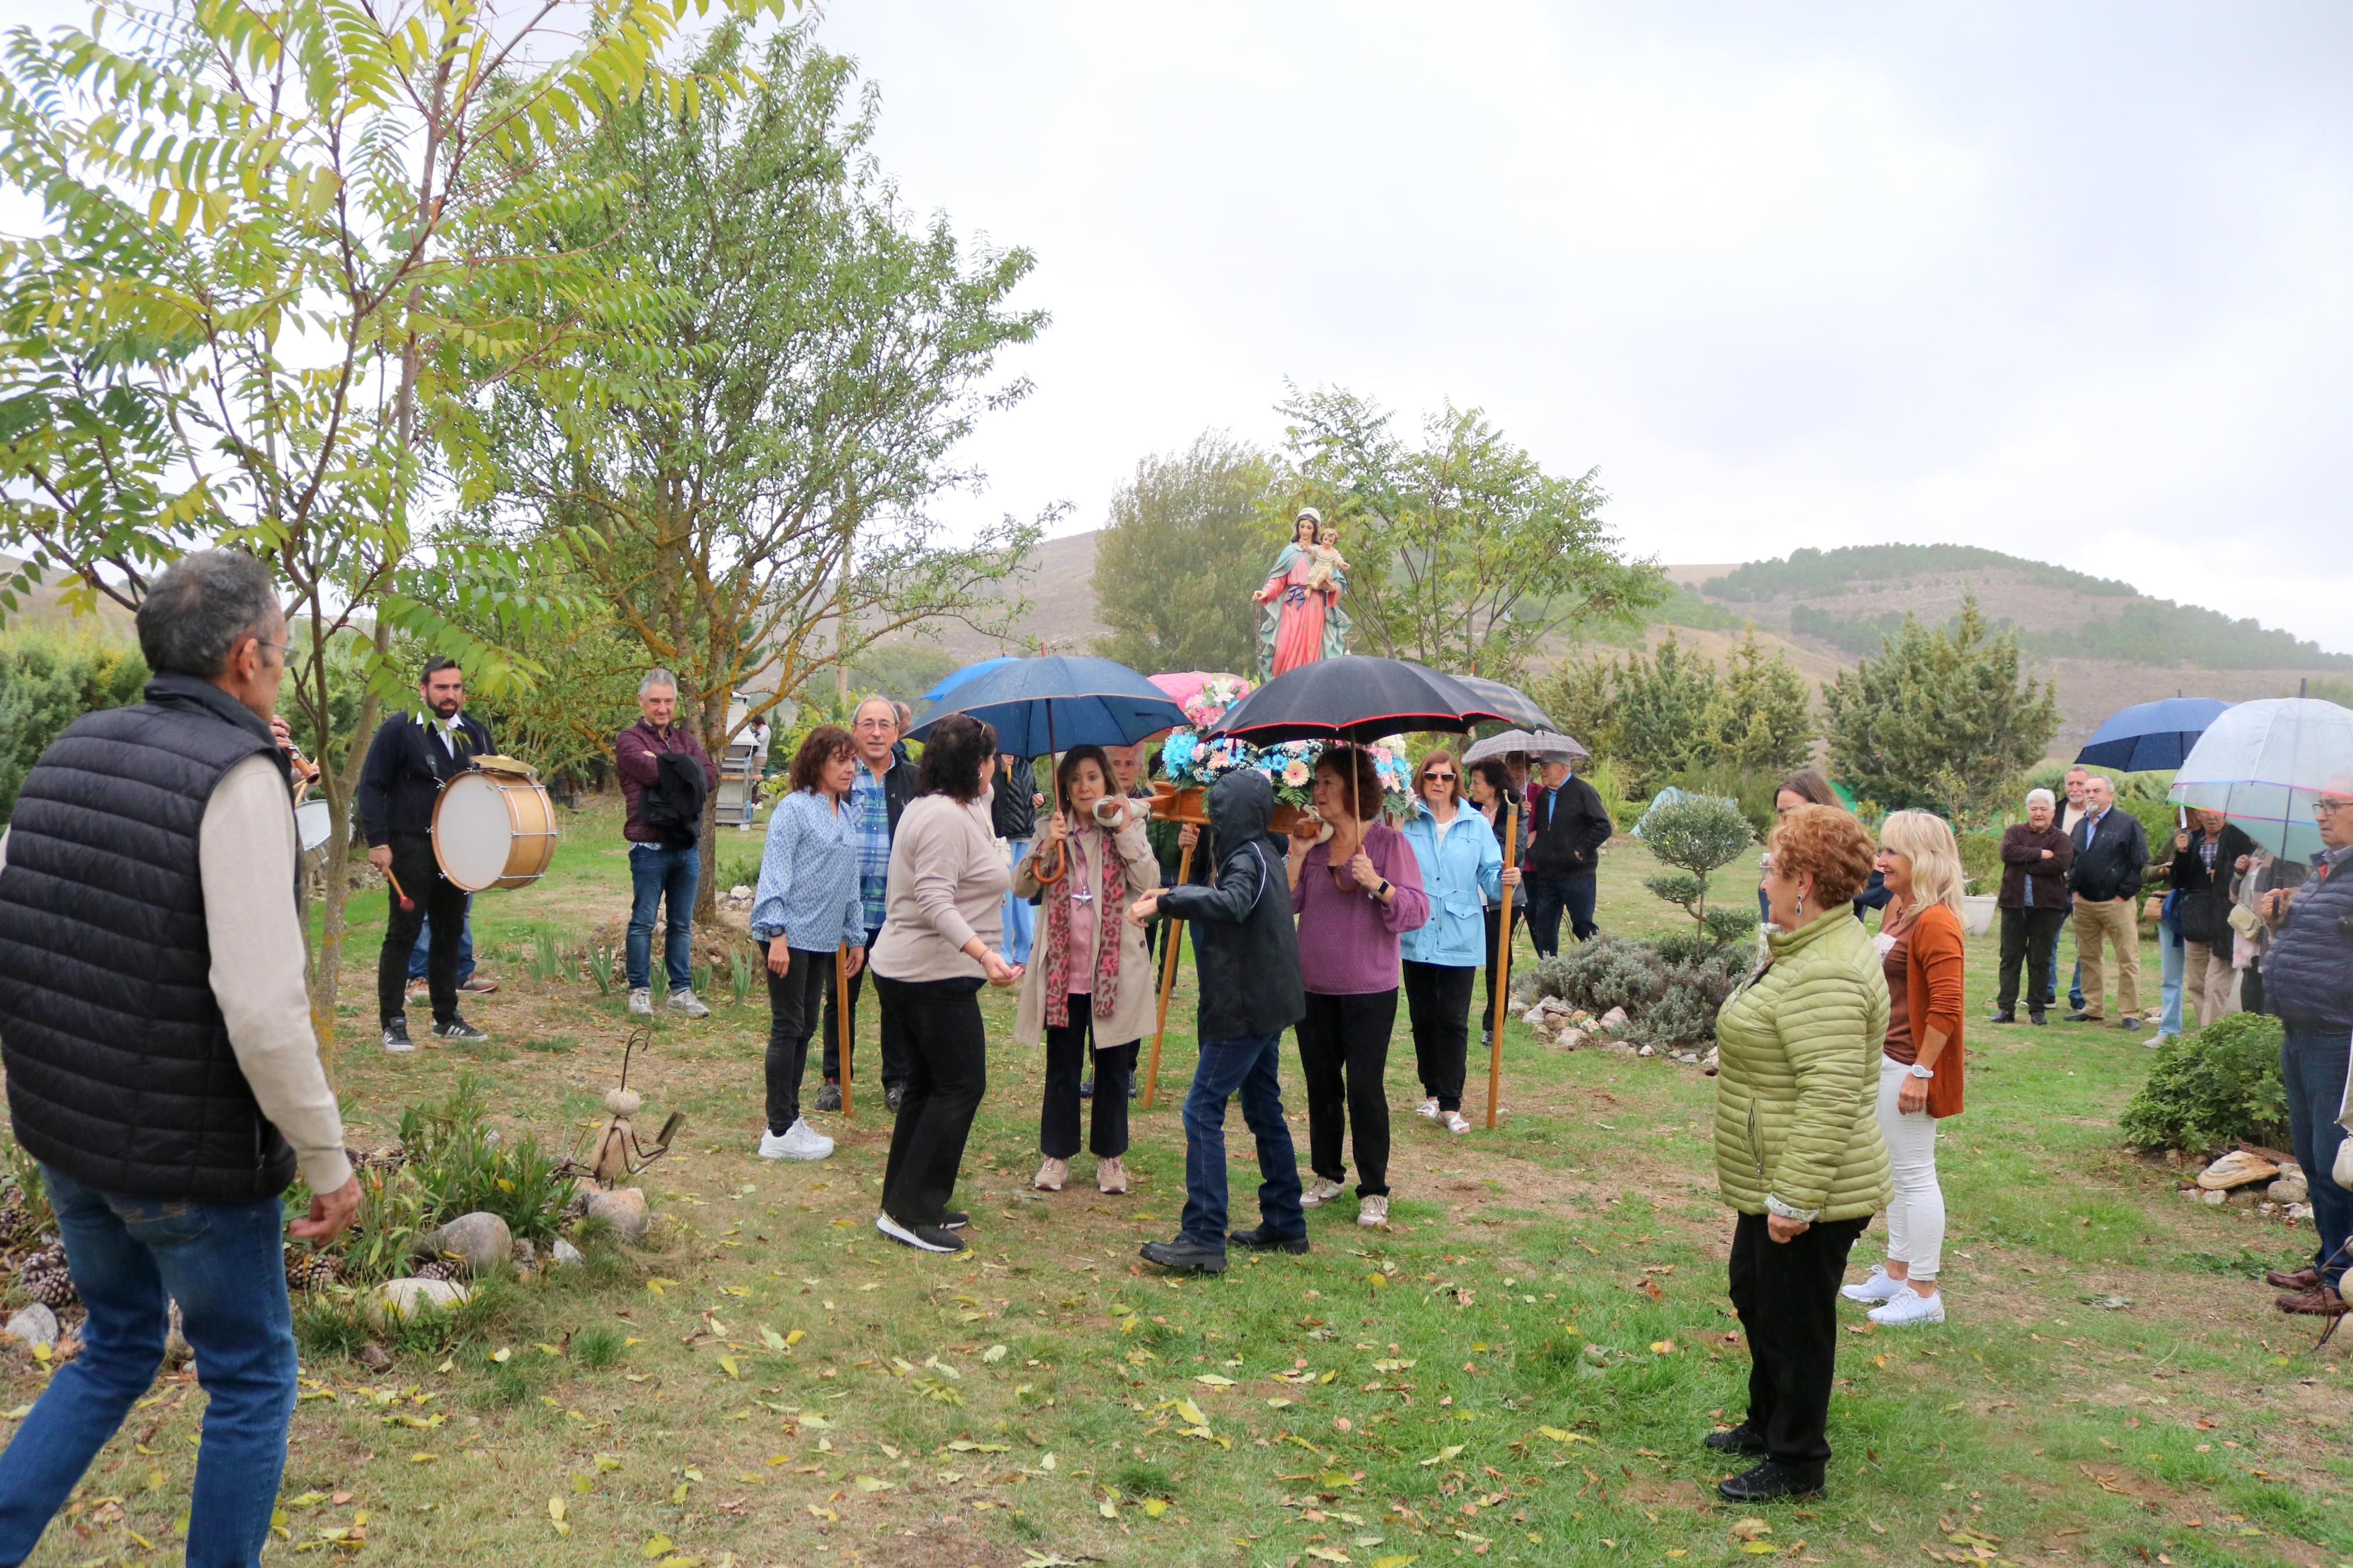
[1299, 627]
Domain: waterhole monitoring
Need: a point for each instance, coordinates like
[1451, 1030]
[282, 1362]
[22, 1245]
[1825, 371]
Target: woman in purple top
[1354, 895]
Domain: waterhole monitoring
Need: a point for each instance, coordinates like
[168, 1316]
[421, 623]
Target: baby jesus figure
[1329, 562]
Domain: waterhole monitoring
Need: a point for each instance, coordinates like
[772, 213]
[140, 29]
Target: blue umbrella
[950, 681]
[1039, 706]
[2148, 736]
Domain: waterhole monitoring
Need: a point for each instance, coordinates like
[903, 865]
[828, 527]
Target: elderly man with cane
[160, 1058]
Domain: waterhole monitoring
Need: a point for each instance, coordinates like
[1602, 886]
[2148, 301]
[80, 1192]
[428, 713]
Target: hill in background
[2105, 642]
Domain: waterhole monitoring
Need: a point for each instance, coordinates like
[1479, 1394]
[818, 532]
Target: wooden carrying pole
[1175, 940]
[1502, 964]
[842, 1015]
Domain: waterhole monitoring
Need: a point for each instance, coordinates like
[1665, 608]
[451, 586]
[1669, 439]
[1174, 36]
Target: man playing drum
[412, 756]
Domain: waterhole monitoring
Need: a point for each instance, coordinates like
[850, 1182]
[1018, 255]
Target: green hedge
[2217, 1086]
[47, 681]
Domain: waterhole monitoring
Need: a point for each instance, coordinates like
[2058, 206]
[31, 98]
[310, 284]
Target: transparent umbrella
[2263, 763]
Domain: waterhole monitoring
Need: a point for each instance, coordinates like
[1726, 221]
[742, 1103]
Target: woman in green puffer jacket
[1798, 1147]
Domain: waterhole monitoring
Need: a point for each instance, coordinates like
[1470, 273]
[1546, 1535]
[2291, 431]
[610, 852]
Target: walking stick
[842, 1015]
[1502, 964]
[1167, 979]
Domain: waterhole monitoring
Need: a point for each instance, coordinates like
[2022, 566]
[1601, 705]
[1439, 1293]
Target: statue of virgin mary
[1299, 618]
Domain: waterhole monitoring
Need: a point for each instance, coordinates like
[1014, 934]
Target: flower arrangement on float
[1189, 762]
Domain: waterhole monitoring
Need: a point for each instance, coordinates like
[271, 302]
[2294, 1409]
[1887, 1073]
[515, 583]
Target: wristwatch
[1919, 1071]
[1383, 890]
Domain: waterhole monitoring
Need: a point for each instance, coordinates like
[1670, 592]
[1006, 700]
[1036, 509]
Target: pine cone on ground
[309, 1270]
[444, 1268]
[577, 1210]
[45, 1275]
[524, 1252]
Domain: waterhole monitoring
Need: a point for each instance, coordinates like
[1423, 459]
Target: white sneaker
[2156, 1040]
[1428, 1108]
[1050, 1176]
[1456, 1123]
[641, 1002]
[1319, 1192]
[686, 1002]
[1910, 1307]
[1876, 1287]
[1373, 1211]
[798, 1142]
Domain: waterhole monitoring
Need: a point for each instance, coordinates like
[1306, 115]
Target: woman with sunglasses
[1356, 889]
[1492, 796]
[1461, 866]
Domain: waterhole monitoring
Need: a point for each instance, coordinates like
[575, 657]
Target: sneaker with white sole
[921, 1238]
[798, 1142]
[2156, 1041]
[1111, 1177]
[641, 1002]
[1051, 1175]
[1876, 1287]
[1428, 1108]
[1910, 1307]
[1373, 1211]
[687, 1003]
[1319, 1192]
[1456, 1122]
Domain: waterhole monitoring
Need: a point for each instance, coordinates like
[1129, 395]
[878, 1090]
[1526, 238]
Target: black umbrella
[1512, 703]
[1354, 697]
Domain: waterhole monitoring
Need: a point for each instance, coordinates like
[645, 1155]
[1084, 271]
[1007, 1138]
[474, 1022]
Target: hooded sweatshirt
[1245, 942]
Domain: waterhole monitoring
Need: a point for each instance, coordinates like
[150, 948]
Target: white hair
[2043, 796]
[658, 678]
[2103, 780]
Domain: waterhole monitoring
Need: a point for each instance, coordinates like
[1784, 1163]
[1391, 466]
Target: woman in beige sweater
[1090, 976]
[942, 917]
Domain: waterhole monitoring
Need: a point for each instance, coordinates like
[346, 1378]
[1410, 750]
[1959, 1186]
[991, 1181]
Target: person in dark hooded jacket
[1246, 949]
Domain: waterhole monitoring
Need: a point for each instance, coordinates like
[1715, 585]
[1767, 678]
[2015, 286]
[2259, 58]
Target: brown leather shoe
[2293, 1279]
[2320, 1302]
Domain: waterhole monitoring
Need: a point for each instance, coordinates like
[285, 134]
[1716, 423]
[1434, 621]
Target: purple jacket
[635, 757]
[1348, 941]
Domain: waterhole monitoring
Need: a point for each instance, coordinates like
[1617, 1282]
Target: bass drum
[492, 830]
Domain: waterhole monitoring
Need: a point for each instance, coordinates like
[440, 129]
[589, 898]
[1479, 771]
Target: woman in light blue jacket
[1461, 866]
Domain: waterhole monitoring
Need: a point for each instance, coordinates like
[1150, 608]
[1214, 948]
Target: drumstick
[407, 903]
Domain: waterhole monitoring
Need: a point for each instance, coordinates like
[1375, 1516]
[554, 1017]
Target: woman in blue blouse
[1461, 866]
[807, 906]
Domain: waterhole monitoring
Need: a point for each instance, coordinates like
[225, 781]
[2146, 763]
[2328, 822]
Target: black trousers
[1549, 898]
[1343, 1054]
[795, 1001]
[2027, 935]
[1494, 914]
[947, 1072]
[894, 1047]
[429, 893]
[1787, 1294]
[1438, 1002]
[1066, 1063]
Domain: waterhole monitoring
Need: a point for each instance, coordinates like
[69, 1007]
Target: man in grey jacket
[1246, 946]
[160, 1058]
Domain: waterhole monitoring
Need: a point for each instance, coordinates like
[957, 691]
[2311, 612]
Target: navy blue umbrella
[954, 678]
[1039, 706]
[2148, 736]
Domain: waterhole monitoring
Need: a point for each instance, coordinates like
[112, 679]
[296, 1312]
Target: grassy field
[1520, 1368]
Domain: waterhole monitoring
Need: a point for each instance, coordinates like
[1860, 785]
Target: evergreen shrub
[2213, 1087]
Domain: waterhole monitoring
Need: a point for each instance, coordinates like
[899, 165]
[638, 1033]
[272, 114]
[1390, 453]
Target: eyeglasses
[877, 725]
[285, 651]
[2330, 808]
[1442, 778]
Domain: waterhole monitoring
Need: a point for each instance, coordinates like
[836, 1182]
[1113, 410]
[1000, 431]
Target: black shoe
[830, 1097]
[1767, 1483]
[891, 1097]
[1741, 1439]
[1087, 1086]
[396, 1035]
[458, 1029]
[2004, 1016]
[921, 1238]
[2035, 1017]
[2080, 1016]
[2130, 1024]
[1258, 1238]
[955, 1219]
[1183, 1254]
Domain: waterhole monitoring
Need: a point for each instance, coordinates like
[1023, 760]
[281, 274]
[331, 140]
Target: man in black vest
[161, 1065]
[1567, 826]
[412, 756]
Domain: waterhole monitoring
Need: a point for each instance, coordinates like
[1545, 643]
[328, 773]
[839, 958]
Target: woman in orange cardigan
[1920, 1071]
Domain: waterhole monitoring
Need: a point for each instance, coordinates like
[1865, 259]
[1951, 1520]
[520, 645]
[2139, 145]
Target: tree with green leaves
[1941, 719]
[1666, 713]
[275, 282]
[1464, 554]
[1187, 544]
[1764, 721]
[1696, 834]
[752, 500]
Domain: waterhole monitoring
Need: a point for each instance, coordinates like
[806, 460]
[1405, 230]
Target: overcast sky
[2070, 282]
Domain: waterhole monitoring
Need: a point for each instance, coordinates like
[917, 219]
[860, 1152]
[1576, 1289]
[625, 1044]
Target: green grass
[1029, 1401]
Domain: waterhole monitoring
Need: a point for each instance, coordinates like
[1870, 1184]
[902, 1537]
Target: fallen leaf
[727, 1364]
[773, 1340]
[1443, 1455]
[1211, 1380]
[658, 1546]
[993, 1354]
[873, 1484]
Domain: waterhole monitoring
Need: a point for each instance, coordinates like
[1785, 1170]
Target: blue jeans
[666, 877]
[2313, 1060]
[2171, 954]
[1020, 914]
[1247, 1065]
[2074, 985]
[417, 955]
[224, 1264]
[1548, 899]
